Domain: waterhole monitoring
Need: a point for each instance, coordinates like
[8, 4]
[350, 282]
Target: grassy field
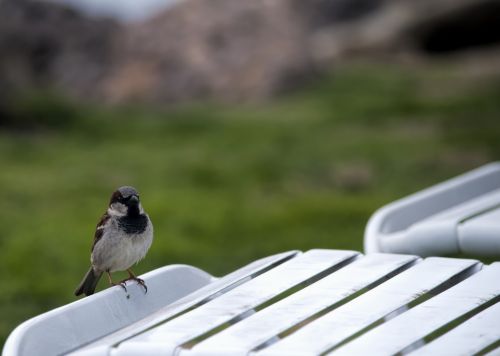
[225, 185]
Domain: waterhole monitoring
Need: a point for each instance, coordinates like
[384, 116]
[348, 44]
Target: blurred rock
[416, 26]
[223, 49]
[321, 13]
[44, 45]
[233, 50]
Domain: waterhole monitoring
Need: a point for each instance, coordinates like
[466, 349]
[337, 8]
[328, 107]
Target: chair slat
[411, 327]
[238, 301]
[468, 338]
[242, 337]
[494, 352]
[388, 298]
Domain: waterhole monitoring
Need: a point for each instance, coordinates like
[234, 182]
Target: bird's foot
[142, 283]
[139, 281]
[121, 284]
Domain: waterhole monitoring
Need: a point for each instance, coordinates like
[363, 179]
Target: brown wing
[99, 230]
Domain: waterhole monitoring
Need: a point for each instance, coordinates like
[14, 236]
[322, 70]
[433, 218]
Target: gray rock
[225, 49]
[44, 45]
[413, 26]
[222, 49]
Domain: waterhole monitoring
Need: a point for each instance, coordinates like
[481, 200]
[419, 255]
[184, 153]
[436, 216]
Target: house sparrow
[122, 238]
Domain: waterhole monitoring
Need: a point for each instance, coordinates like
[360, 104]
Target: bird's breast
[133, 224]
[118, 249]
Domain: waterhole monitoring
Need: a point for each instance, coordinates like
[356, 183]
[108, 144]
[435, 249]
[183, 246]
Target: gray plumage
[122, 238]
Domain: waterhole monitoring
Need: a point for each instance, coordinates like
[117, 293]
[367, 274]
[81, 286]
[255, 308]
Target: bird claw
[121, 284]
[142, 283]
[138, 280]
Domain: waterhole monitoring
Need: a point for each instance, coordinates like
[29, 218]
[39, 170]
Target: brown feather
[115, 197]
[99, 230]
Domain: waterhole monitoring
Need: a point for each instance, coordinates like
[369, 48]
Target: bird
[122, 238]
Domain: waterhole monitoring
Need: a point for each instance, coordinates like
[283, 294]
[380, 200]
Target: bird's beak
[134, 200]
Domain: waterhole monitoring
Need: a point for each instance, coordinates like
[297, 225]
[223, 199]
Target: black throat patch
[133, 224]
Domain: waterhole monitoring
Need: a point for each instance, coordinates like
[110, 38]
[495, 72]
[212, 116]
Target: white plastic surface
[200, 296]
[383, 302]
[71, 326]
[235, 303]
[408, 329]
[427, 223]
[469, 338]
[260, 327]
[312, 303]
[481, 234]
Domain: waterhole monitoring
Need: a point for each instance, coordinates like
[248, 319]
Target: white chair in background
[461, 215]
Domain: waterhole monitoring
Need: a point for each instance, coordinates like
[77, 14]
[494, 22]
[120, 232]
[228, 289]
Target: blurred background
[249, 127]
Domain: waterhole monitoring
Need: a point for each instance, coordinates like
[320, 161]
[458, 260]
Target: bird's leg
[131, 276]
[121, 283]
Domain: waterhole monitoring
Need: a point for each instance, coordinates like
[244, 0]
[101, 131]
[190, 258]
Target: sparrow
[122, 238]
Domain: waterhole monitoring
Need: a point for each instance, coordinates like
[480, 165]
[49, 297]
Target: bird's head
[125, 201]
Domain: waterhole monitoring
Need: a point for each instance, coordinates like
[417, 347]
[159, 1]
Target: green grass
[225, 185]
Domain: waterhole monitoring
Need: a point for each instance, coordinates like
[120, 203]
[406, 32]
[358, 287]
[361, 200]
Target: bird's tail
[89, 283]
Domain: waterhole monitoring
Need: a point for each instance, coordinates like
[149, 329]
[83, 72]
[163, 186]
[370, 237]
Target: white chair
[316, 302]
[461, 215]
[311, 303]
